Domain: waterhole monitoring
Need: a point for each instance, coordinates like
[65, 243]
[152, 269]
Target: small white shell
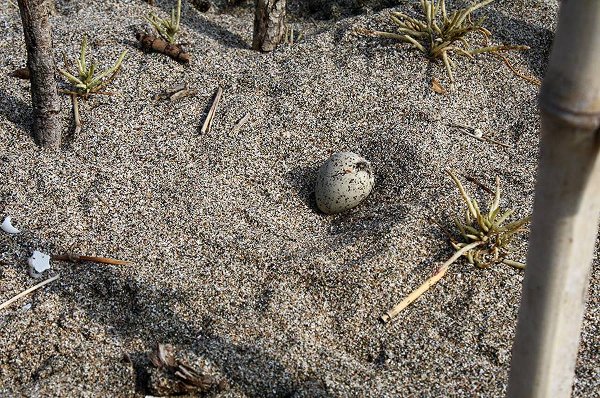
[344, 181]
[8, 228]
[38, 263]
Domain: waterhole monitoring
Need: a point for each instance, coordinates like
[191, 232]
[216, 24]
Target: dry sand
[232, 263]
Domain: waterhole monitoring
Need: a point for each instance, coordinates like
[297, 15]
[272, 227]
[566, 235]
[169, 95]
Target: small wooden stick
[211, 113]
[26, 292]
[494, 141]
[478, 183]
[482, 138]
[514, 264]
[76, 115]
[75, 258]
[388, 316]
[238, 126]
[182, 93]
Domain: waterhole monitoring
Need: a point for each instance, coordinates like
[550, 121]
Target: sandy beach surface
[231, 261]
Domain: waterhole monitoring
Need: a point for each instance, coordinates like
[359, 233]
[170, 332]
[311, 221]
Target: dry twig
[478, 183]
[238, 126]
[415, 294]
[211, 113]
[530, 79]
[75, 258]
[26, 292]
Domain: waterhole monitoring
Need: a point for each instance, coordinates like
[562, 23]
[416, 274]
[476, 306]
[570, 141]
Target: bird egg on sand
[344, 181]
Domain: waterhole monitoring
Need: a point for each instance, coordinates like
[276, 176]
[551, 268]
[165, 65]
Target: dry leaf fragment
[174, 377]
[437, 87]
[175, 93]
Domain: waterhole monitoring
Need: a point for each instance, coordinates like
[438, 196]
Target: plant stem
[388, 316]
[498, 48]
[515, 264]
[26, 292]
[75, 258]
[76, 115]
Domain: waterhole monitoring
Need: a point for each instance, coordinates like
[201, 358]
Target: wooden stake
[47, 122]
[26, 292]
[388, 316]
[566, 212]
[269, 24]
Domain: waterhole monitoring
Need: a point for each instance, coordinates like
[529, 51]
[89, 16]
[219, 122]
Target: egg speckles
[344, 181]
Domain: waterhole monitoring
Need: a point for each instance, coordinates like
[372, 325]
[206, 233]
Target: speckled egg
[344, 181]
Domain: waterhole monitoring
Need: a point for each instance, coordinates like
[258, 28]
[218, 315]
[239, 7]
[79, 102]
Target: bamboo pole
[566, 211]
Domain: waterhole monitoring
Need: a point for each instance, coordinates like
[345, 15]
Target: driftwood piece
[47, 123]
[269, 24]
[153, 43]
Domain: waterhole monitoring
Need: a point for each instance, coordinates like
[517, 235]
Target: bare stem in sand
[238, 126]
[211, 113]
[75, 258]
[26, 292]
[76, 115]
[408, 300]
